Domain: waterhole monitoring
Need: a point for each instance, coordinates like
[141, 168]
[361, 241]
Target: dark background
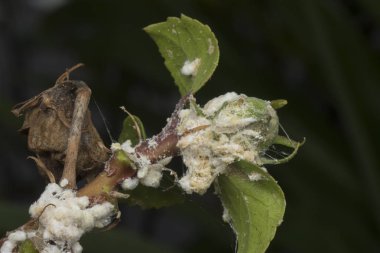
[323, 56]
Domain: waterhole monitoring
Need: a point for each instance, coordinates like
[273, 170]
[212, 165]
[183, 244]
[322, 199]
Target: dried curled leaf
[47, 124]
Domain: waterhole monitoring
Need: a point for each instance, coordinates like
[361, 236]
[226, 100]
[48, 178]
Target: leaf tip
[278, 103]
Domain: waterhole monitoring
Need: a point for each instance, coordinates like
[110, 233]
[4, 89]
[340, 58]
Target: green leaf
[133, 130]
[186, 39]
[255, 206]
[27, 247]
[149, 197]
[286, 142]
[278, 103]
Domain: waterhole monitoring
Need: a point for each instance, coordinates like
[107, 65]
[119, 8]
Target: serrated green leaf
[254, 203]
[186, 39]
[132, 128]
[148, 197]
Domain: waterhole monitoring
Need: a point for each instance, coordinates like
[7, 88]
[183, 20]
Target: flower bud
[228, 128]
[239, 112]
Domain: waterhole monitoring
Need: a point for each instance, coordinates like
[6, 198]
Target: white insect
[190, 68]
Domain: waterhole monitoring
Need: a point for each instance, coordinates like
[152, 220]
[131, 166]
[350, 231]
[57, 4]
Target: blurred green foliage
[323, 56]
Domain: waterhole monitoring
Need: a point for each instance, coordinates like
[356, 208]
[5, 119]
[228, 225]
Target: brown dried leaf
[47, 124]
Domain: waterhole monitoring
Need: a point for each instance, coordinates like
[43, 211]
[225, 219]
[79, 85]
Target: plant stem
[105, 181]
[80, 108]
[118, 167]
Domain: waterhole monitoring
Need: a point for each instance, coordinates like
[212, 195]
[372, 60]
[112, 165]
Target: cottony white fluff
[190, 68]
[13, 239]
[254, 176]
[223, 140]
[148, 174]
[64, 182]
[17, 236]
[130, 183]
[64, 218]
[215, 104]
[8, 247]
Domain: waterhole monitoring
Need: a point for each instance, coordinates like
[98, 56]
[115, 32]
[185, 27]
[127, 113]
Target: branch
[167, 139]
[116, 168]
[105, 181]
[80, 108]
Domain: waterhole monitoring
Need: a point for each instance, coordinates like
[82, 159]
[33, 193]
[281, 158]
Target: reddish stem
[117, 170]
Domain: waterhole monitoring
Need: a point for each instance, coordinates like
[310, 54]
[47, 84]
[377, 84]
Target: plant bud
[228, 128]
[239, 112]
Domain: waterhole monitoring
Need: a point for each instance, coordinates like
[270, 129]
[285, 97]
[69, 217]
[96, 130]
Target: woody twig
[80, 108]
